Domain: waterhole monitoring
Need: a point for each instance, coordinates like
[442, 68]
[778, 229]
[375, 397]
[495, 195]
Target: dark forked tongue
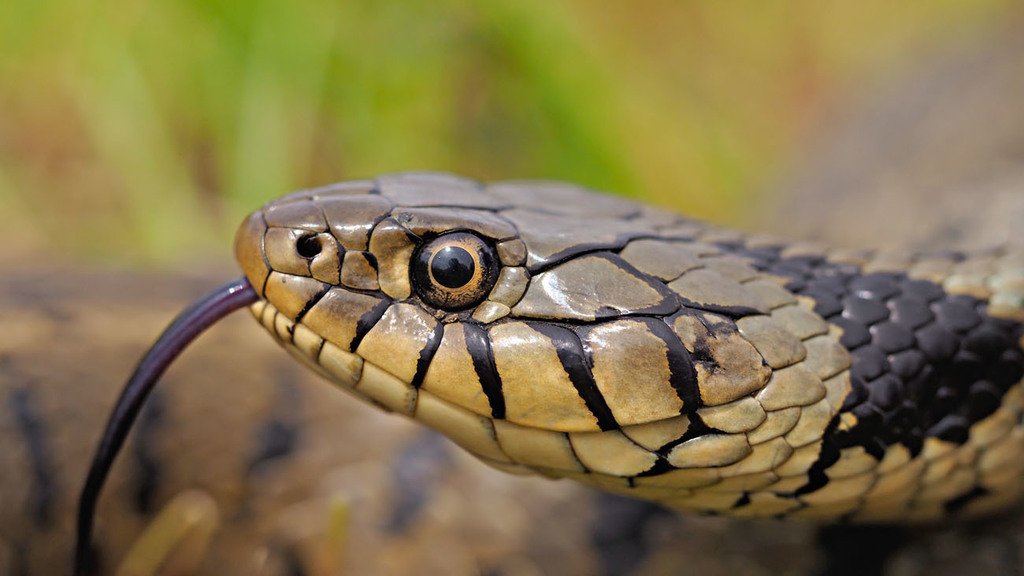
[185, 328]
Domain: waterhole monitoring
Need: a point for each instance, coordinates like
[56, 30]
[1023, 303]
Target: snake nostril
[308, 246]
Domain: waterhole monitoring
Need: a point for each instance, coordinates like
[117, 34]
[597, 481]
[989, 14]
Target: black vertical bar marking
[683, 375]
[829, 455]
[367, 321]
[427, 354]
[696, 429]
[478, 343]
[40, 452]
[574, 361]
[312, 302]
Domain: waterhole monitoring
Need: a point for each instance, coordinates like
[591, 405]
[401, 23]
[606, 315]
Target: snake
[552, 330]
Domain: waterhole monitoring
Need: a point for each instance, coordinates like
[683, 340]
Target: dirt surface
[934, 159]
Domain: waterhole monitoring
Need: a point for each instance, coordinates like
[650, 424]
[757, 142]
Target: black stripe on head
[478, 343]
[574, 362]
[312, 302]
[683, 374]
[427, 354]
[367, 321]
[40, 452]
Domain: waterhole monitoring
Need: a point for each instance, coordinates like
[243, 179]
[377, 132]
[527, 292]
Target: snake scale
[549, 329]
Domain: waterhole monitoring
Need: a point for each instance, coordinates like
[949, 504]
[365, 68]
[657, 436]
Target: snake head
[540, 326]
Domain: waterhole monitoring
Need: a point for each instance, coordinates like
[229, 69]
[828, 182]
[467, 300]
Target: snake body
[553, 330]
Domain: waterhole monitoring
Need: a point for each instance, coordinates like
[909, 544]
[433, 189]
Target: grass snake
[549, 329]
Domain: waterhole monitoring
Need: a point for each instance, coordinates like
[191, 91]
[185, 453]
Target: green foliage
[145, 129]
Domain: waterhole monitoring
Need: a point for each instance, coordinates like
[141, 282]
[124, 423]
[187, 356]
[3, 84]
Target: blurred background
[136, 134]
[141, 131]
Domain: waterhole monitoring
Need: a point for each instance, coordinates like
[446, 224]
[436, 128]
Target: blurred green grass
[142, 130]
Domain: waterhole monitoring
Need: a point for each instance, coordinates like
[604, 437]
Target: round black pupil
[452, 267]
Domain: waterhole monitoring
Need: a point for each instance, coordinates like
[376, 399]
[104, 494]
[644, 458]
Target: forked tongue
[183, 330]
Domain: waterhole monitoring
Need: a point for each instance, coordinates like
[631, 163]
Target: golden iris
[454, 271]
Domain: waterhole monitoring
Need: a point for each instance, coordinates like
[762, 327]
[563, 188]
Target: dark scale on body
[925, 363]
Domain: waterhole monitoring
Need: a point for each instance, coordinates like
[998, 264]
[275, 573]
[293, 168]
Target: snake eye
[454, 271]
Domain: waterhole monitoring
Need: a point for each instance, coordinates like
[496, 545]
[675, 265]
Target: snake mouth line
[192, 322]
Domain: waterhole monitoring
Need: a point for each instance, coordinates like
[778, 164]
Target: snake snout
[249, 250]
